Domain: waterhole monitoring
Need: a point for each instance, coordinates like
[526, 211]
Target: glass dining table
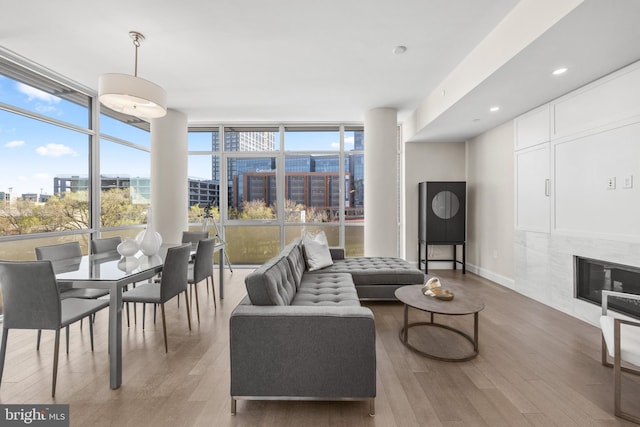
[112, 272]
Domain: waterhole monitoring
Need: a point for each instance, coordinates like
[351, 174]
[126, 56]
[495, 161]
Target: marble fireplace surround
[544, 267]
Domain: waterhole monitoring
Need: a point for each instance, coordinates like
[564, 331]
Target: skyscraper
[236, 140]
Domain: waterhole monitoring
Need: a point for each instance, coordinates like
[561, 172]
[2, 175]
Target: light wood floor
[536, 367]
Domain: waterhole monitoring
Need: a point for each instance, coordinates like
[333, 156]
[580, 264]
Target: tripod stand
[208, 216]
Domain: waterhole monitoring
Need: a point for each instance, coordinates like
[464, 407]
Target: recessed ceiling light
[494, 109]
[399, 50]
[559, 71]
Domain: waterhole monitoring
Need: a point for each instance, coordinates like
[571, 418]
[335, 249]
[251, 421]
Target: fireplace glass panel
[593, 276]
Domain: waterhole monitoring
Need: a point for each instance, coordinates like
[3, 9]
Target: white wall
[489, 163]
[428, 161]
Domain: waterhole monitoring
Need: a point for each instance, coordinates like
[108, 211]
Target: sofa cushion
[316, 250]
[376, 270]
[272, 283]
[293, 253]
[332, 289]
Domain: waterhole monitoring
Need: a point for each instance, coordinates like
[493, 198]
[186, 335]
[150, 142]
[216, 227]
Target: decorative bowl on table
[433, 288]
[439, 293]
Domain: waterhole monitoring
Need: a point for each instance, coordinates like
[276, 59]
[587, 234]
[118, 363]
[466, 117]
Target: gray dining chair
[194, 237]
[201, 269]
[32, 301]
[173, 282]
[109, 244]
[64, 251]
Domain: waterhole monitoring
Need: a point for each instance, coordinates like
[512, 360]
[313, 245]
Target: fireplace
[593, 276]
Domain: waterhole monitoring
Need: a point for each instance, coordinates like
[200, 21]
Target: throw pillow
[316, 250]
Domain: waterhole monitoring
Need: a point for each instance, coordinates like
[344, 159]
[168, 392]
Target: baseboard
[490, 275]
[482, 272]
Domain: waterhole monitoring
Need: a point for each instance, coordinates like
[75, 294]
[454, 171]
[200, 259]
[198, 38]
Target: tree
[256, 209]
[116, 209]
[70, 211]
[293, 213]
[196, 214]
[20, 218]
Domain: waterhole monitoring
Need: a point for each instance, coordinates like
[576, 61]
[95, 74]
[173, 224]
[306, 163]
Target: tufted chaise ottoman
[375, 278]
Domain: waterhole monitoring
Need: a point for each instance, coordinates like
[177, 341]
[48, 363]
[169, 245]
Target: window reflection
[36, 94]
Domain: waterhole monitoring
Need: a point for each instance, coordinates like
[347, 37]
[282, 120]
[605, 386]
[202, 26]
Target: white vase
[149, 239]
[128, 247]
[128, 264]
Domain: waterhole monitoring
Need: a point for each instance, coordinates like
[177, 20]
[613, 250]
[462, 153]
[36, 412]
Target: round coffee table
[461, 304]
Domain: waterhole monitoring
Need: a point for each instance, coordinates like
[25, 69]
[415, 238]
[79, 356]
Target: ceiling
[595, 39]
[290, 61]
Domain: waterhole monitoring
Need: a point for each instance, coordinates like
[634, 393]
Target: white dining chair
[620, 341]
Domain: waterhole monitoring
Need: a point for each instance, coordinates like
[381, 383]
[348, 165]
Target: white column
[380, 183]
[169, 198]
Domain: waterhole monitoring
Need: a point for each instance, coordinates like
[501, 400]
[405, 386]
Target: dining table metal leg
[115, 336]
[221, 272]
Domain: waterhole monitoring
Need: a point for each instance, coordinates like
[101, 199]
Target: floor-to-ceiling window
[276, 183]
[61, 179]
[45, 147]
[313, 181]
[354, 208]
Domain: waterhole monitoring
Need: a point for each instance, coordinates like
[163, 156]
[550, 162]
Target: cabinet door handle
[547, 187]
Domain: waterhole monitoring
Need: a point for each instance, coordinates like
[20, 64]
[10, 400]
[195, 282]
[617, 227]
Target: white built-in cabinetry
[577, 161]
[531, 165]
[587, 144]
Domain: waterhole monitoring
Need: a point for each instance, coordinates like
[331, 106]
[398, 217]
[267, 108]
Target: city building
[35, 197]
[203, 192]
[310, 180]
[200, 191]
[240, 140]
[139, 187]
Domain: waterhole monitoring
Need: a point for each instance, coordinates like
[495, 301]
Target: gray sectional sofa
[304, 335]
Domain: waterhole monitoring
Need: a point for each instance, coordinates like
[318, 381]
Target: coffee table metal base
[404, 336]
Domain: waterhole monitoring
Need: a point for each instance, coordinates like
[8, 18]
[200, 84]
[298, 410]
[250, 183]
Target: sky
[32, 152]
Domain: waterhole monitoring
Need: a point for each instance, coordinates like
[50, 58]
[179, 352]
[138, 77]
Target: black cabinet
[442, 218]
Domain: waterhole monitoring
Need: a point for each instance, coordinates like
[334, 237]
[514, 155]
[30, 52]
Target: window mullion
[341, 191]
[280, 190]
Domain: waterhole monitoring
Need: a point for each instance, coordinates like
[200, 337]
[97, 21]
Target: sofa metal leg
[233, 406]
[372, 407]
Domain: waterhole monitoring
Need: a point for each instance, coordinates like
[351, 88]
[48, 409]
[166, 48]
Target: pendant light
[132, 95]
